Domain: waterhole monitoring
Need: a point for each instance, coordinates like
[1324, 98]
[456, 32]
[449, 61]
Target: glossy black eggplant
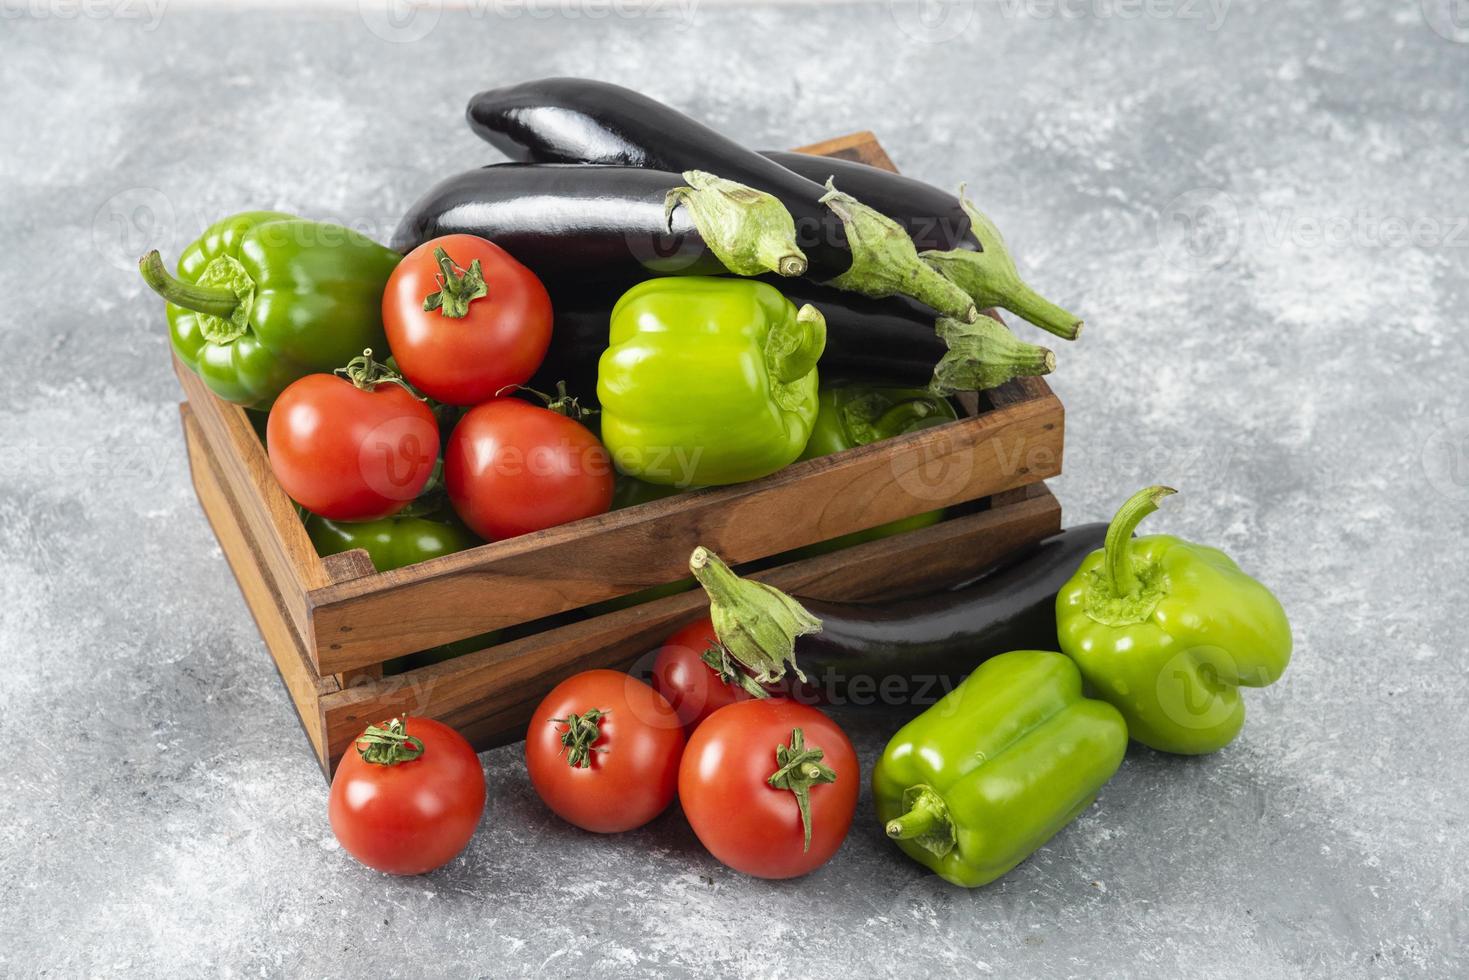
[577, 120]
[932, 217]
[891, 341]
[580, 224]
[929, 643]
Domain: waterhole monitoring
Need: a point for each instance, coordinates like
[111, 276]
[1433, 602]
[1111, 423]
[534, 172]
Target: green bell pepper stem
[220, 301]
[991, 279]
[885, 261]
[749, 231]
[756, 623]
[794, 349]
[1118, 545]
[926, 821]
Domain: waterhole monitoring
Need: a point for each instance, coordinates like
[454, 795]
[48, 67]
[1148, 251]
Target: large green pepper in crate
[708, 381]
[263, 298]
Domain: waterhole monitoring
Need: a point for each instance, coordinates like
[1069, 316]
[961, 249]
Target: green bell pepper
[393, 542]
[1167, 631]
[264, 298]
[708, 381]
[975, 784]
[852, 415]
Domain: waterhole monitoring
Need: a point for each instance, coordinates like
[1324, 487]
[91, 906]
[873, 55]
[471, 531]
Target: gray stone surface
[1261, 208]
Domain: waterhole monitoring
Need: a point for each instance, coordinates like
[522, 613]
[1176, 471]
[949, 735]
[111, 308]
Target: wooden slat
[361, 622]
[268, 517]
[495, 690]
[306, 689]
[862, 147]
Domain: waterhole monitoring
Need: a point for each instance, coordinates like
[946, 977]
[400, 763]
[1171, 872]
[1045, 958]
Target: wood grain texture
[223, 511]
[269, 517]
[495, 690]
[362, 621]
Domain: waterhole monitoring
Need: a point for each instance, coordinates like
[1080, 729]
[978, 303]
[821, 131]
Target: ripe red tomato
[603, 749]
[690, 685]
[512, 468]
[489, 327]
[351, 453]
[407, 817]
[744, 821]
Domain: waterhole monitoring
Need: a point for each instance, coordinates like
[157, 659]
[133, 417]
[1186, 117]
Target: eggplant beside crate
[331, 623]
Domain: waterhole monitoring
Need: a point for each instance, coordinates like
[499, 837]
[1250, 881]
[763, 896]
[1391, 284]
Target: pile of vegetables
[636, 305]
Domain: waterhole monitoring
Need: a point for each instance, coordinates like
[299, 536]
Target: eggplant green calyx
[800, 768]
[749, 231]
[885, 262]
[222, 295]
[718, 660]
[389, 745]
[561, 403]
[925, 821]
[756, 624]
[458, 286]
[367, 374]
[793, 347]
[1124, 589]
[990, 278]
[983, 355]
[581, 731]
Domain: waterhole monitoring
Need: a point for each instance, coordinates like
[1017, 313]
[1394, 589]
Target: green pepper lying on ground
[975, 784]
[264, 298]
[1167, 631]
[708, 381]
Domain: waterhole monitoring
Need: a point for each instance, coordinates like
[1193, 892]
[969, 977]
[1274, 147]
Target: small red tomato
[486, 325]
[691, 685]
[512, 467]
[351, 449]
[409, 798]
[743, 777]
[603, 749]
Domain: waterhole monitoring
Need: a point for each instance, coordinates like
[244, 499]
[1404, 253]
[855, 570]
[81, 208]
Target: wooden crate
[330, 623]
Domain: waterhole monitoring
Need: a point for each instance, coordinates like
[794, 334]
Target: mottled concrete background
[1261, 208]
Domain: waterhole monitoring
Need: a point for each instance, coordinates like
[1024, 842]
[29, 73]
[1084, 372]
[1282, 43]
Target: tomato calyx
[366, 374]
[717, 659]
[581, 731]
[458, 286]
[389, 745]
[800, 769]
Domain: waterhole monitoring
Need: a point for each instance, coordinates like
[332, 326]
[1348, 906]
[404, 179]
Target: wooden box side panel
[362, 622]
[224, 514]
[491, 693]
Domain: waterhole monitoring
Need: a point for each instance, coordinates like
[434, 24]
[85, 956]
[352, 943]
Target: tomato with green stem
[407, 797]
[465, 320]
[770, 787]
[512, 467]
[603, 749]
[355, 446]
